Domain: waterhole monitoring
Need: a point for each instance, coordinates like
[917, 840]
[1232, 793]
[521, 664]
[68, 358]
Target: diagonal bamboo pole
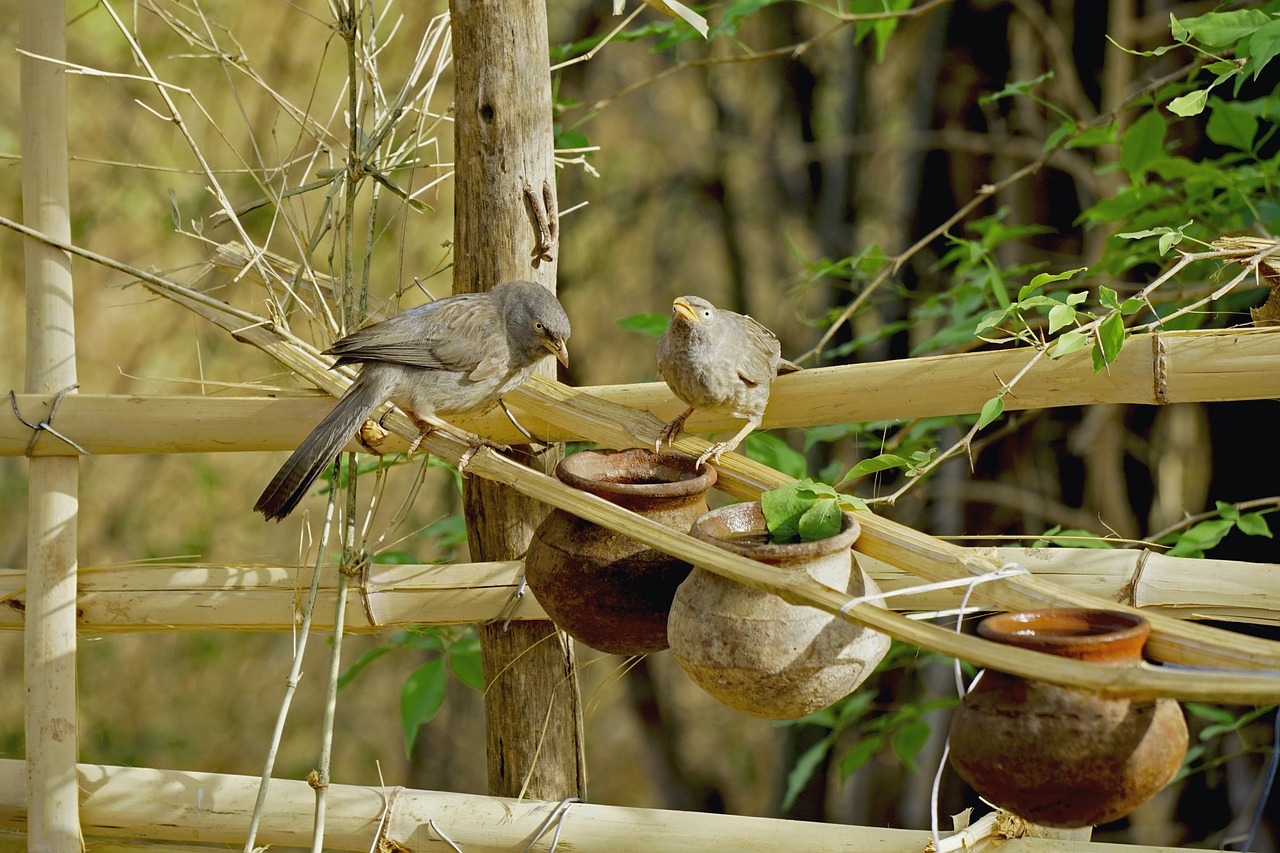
[49, 642]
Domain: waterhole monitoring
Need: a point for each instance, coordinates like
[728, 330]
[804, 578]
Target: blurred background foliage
[776, 168]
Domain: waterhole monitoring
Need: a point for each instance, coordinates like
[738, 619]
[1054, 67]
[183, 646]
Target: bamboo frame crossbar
[1170, 367]
[159, 597]
[194, 807]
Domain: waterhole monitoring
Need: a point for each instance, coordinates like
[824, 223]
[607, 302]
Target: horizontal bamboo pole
[1198, 366]
[190, 807]
[559, 404]
[266, 598]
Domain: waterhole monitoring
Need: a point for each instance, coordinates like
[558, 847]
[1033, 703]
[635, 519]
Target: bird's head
[692, 310]
[536, 321]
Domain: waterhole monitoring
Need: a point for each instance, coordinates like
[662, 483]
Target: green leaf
[469, 667]
[991, 410]
[859, 754]
[1168, 241]
[1254, 524]
[649, 323]
[421, 698]
[1048, 278]
[1142, 143]
[1095, 136]
[1108, 297]
[1213, 713]
[1231, 125]
[1111, 335]
[908, 741]
[806, 765]
[1264, 45]
[1068, 343]
[883, 462]
[1190, 104]
[821, 521]
[783, 508]
[1221, 29]
[1061, 316]
[1200, 537]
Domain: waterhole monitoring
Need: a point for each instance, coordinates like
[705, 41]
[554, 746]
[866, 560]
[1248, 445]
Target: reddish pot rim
[636, 472]
[1076, 632]
[726, 525]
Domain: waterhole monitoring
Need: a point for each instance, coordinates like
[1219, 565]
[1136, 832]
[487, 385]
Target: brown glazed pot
[755, 652]
[1063, 756]
[603, 588]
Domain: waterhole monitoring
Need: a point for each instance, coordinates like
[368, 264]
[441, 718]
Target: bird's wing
[458, 333]
[757, 350]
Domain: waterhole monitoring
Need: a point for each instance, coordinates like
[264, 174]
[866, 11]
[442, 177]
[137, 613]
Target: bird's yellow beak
[559, 350]
[684, 309]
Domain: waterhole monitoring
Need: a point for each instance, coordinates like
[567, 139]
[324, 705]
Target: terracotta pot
[603, 588]
[753, 651]
[1063, 756]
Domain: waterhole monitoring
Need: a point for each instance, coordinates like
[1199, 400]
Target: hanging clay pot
[755, 652]
[604, 588]
[1064, 756]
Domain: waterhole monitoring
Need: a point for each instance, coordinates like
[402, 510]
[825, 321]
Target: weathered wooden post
[505, 180]
[49, 641]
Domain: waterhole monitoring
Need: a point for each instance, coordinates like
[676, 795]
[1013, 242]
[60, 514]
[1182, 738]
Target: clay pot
[753, 651]
[1063, 756]
[603, 588]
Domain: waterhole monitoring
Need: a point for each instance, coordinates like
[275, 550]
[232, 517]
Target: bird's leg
[474, 442]
[671, 430]
[714, 451]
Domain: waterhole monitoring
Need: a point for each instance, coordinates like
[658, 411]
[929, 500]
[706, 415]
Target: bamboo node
[45, 424]
[1128, 594]
[1160, 369]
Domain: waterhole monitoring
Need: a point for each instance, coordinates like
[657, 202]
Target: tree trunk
[505, 178]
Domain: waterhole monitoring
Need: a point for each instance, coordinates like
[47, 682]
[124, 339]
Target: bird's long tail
[318, 450]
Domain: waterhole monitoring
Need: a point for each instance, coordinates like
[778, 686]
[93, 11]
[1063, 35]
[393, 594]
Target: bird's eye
[706, 312]
[537, 326]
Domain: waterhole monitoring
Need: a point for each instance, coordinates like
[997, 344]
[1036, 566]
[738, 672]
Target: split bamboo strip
[156, 597]
[1172, 640]
[191, 807]
[49, 641]
[1198, 366]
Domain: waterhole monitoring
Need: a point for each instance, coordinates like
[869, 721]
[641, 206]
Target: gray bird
[456, 355]
[720, 361]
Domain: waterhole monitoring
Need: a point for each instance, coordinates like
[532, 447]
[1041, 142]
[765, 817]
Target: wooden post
[505, 177]
[49, 643]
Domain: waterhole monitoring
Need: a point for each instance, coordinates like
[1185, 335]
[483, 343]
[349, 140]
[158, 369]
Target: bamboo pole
[191, 807]
[49, 641]
[1173, 367]
[187, 597]
[504, 228]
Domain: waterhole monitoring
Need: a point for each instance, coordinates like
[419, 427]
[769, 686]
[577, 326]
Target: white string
[431, 825]
[1006, 571]
[1009, 569]
[557, 817]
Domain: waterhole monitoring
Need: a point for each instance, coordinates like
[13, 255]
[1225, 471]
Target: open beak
[559, 350]
[684, 309]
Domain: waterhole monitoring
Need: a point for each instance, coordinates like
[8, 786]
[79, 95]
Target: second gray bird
[720, 361]
[456, 355]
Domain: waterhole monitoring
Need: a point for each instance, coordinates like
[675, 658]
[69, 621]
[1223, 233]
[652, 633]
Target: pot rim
[1096, 633]
[748, 518]
[587, 470]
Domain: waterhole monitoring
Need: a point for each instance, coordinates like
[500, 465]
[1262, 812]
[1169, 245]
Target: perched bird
[721, 361]
[452, 356]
